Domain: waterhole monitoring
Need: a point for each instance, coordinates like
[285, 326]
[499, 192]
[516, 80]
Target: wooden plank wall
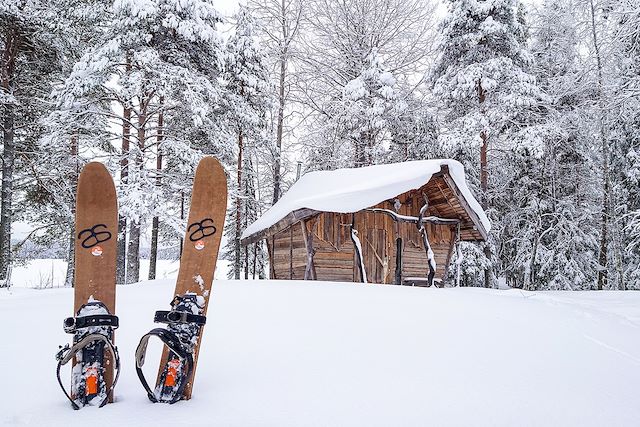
[334, 257]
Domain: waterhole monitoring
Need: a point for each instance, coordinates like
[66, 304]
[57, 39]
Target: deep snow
[279, 353]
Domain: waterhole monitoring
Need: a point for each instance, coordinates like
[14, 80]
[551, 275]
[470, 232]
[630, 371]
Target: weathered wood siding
[334, 257]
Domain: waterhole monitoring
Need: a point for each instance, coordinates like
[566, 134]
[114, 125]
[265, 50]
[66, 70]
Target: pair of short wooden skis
[95, 359]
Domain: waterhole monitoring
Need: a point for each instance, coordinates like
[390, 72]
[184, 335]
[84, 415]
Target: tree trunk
[237, 261]
[133, 248]
[11, 46]
[181, 221]
[8, 158]
[484, 180]
[606, 184]
[280, 126]
[484, 175]
[71, 258]
[153, 256]
[121, 269]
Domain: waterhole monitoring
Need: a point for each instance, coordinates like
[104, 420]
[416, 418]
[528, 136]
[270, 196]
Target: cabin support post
[398, 276]
[357, 248]
[459, 256]
[307, 235]
[272, 262]
[425, 240]
[290, 253]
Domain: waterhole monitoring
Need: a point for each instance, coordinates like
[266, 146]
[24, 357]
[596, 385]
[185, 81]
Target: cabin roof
[352, 190]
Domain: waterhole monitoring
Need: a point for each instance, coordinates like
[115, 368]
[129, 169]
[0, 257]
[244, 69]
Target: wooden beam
[272, 263]
[475, 219]
[283, 224]
[449, 253]
[413, 219]
[290, 253]
[307, 235]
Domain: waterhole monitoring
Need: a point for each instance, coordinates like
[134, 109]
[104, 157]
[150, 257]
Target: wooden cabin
[351, 224]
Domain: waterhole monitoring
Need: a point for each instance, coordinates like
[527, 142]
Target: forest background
[539, 101]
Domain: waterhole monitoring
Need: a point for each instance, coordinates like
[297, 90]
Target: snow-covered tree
[279, 27]
[31, 58]
[625, 153]
[358, 58]
[246, 100]
[414, 132]
[482, 80]
[159, 61]
[66, 136]
[360, 118]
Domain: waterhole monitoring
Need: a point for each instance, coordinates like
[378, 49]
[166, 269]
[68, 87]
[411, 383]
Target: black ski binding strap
[93, 329]
[184, 323]
[72, 323]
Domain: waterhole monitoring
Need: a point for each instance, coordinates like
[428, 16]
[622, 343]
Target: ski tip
[95, 167]
[209, 162]
[211, 170]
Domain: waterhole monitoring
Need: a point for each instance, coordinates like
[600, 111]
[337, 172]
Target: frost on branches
[360, 119]
[481, 77]
[247, 91]
[152, 77]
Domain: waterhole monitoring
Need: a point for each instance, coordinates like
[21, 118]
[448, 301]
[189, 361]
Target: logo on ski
[201, 230]
[94, 236]
[96, 251]
[199, 245]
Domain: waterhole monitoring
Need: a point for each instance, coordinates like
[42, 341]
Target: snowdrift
[328, 354]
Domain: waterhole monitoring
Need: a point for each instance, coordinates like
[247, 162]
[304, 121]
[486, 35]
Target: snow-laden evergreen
[247, 99]
[538, 100]
[482, 78]
[153, 78]
[32, 50]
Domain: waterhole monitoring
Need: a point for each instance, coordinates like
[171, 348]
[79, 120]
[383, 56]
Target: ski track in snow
[287, 353]
[614, 349]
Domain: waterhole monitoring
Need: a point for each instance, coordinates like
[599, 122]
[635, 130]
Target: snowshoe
[184, 323]
[93, 329]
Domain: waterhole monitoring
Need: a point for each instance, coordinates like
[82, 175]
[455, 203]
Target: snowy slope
[327, 354]
[350, 190]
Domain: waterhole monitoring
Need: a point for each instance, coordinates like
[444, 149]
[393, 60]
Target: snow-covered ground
[50, 273]
[279, 353]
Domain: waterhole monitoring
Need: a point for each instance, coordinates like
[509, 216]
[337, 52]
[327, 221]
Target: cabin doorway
[376, 254]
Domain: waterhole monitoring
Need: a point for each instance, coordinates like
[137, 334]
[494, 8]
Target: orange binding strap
[172, 373]
[92, 381]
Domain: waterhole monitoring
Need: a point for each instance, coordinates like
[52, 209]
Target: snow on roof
[351, 190]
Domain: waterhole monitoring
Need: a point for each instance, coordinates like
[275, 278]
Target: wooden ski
[93, 354]
[200, 248]
[96, 237]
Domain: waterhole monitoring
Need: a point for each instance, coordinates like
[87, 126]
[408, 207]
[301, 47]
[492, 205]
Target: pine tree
[351, 47]
[66, 135]
[165, 57]
[482, 79]
[360, 119]
[247, 100]
[31, 58]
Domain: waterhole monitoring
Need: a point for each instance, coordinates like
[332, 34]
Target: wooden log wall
[334, 257]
